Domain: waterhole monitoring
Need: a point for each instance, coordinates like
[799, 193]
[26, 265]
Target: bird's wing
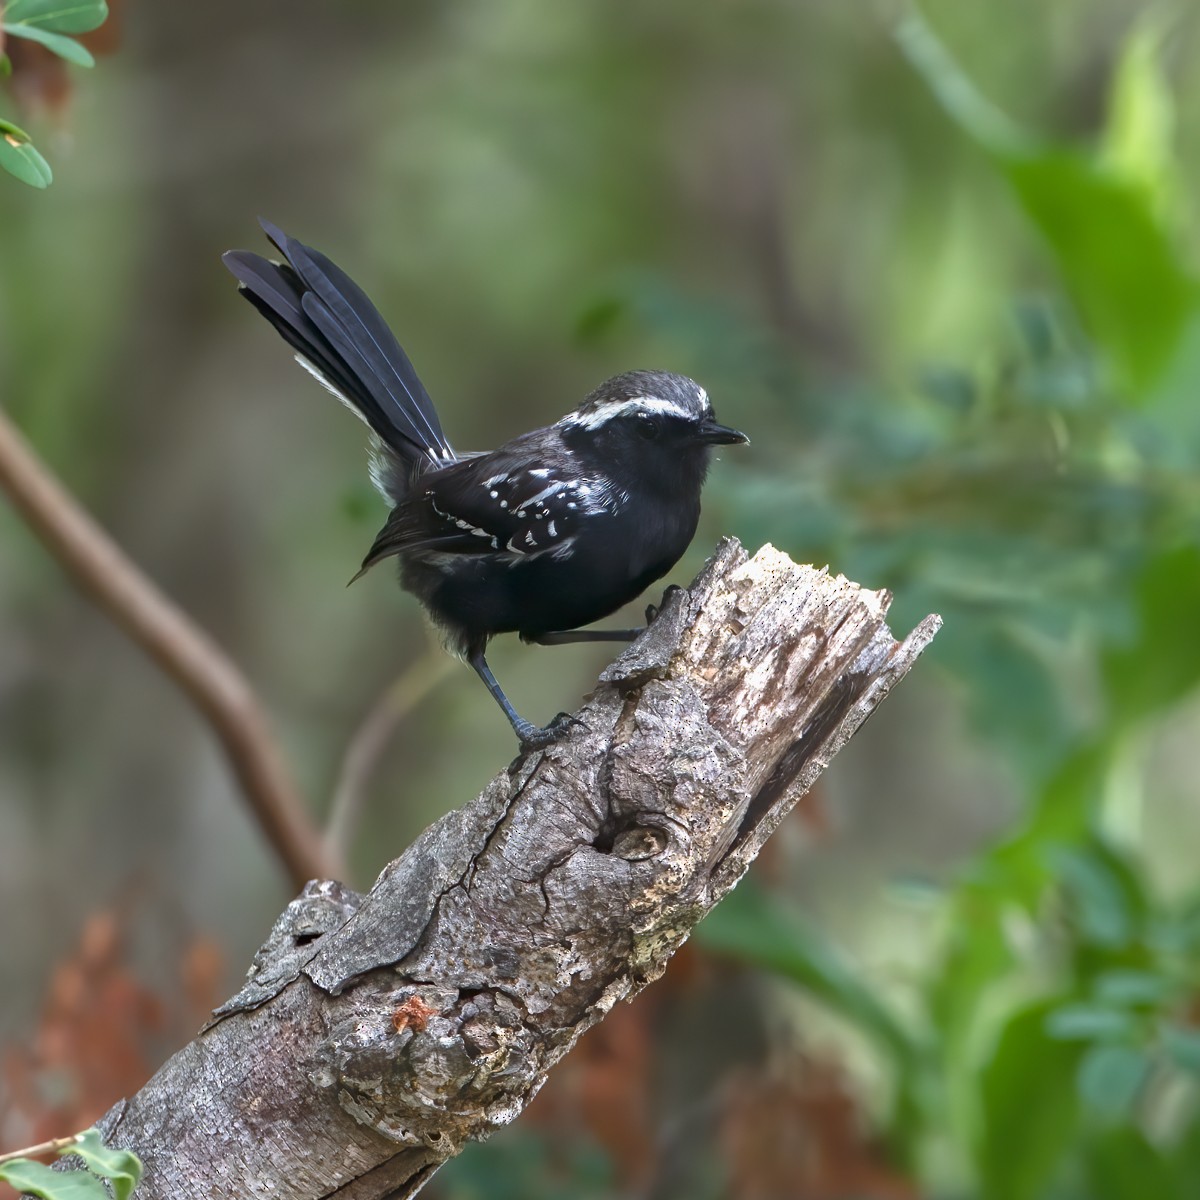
[488, 505]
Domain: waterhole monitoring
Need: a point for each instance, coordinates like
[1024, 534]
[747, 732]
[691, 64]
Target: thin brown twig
[184, 652]
[53, 1146]
[369, 742]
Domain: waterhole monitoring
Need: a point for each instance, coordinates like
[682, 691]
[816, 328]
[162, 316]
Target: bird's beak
[720, 435]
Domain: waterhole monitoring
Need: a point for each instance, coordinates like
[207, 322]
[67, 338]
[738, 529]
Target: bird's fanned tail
[341, 338]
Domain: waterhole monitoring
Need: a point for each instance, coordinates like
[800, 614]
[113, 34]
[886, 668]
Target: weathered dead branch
[377, 1034]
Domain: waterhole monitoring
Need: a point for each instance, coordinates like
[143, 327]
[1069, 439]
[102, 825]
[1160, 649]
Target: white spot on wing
[551, 489]
[557, 551]
[459, 522]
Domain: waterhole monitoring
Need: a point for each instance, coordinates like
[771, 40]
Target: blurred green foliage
[1050, 499]
[1043, 501]
[965, 344]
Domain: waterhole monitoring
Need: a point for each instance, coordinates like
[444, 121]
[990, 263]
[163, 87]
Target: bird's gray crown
[654, 392]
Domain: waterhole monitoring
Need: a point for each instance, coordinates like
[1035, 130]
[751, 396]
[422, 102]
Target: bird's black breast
[610, 561]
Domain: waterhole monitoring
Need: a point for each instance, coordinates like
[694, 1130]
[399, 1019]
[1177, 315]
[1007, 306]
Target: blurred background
[943, 273]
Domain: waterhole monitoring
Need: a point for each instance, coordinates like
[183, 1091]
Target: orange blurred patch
[795, 1130]
[97, 1035]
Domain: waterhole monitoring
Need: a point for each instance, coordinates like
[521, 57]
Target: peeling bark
[376, 1035]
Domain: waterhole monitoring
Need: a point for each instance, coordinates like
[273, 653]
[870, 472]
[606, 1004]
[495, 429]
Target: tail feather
[330, 322]
[276, 292]
[399, 416]
[363, 326]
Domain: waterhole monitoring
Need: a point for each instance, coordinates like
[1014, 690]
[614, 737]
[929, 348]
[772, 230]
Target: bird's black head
[651, 424]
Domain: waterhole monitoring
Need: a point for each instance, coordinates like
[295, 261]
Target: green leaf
[1114, 253]
[1013, 696]
[1100, 902]
[1133, 989]
[1163, 662]
[37, 1179]
[1088, 1022]
[753, 927]
[1110, 1078]
[1183, 1046]
[1182, 929]
[1013, 875]
[19, 157]
[58, 16]
[121, 1168]
[1121, 268]
[15, 130]
[64, 47]
[1138, 140]
[1030, 1107]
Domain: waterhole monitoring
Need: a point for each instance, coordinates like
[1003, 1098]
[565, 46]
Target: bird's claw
[653, 610]
[533, 737]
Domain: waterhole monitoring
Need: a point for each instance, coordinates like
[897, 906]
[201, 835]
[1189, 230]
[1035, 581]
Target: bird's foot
[533, 737]
[652, 610]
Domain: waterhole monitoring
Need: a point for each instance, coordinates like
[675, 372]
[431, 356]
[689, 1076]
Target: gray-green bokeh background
[764, 195]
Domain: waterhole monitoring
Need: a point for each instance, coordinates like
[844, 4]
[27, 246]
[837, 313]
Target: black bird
[557, 528]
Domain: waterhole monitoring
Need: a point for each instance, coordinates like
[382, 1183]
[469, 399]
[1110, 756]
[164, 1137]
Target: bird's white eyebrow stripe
[602, 413]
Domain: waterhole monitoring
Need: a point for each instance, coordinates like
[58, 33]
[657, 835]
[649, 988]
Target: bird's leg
[531, 736]
[566, 637]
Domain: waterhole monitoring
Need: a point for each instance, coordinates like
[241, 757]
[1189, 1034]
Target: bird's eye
[646, 426]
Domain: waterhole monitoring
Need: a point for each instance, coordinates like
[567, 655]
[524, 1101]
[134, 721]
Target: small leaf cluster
[52, 24]
[109, 1173]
